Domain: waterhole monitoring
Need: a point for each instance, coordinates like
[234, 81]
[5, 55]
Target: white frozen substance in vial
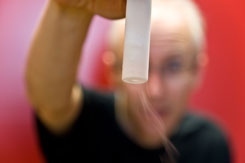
[137, 41]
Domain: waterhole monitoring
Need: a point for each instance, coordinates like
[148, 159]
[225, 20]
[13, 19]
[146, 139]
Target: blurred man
[135, 122]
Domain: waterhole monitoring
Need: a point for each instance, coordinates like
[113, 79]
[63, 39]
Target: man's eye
[173, 67]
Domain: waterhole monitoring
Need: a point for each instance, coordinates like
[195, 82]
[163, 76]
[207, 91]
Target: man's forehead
[168, 40]
[164, 31]
[165, 34]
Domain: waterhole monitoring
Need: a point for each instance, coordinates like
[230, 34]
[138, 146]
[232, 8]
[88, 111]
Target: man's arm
[54, 56]
[52, 64]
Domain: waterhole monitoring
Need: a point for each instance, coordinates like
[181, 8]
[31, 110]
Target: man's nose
[155, 86]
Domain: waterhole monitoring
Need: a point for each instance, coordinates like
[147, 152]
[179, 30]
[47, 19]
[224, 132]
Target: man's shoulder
[200, 139]
[195, 127]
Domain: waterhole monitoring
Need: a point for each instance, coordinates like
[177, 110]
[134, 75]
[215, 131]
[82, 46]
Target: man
[134, 123]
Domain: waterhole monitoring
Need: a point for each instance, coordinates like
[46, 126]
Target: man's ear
[202, 62]
[109, 60]
[203, 59]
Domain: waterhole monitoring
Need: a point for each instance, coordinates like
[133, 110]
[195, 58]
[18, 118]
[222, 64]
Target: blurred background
[221, 95]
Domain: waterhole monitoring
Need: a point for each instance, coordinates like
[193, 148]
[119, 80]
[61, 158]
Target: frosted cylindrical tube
[137, 41]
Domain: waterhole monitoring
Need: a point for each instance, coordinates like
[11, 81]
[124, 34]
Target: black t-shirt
[96, 137]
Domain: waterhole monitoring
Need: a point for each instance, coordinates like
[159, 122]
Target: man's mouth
[162, 112]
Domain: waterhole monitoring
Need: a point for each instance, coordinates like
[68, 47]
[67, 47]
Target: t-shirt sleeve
[76, 142]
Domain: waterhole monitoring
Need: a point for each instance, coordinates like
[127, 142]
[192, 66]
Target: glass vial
[137, 41]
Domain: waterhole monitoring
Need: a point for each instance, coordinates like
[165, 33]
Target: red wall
[222, 93]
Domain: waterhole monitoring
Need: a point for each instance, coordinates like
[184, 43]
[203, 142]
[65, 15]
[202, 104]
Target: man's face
[156, 108]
